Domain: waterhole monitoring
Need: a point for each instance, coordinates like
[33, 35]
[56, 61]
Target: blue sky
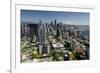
[48, 16]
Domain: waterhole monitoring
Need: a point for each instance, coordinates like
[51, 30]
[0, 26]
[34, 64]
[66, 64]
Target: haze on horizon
[48, 16]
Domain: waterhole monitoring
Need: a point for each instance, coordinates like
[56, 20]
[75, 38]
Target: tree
[57, 55]
[35, 55]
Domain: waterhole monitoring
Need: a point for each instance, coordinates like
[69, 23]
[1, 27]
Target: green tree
[35, 55]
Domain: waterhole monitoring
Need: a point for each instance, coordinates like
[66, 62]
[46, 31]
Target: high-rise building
[55, 22]
[32, 31]
[41, 37]
[41, 33]
[22, 30]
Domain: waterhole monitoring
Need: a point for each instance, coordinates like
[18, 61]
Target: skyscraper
[41, 37]
[41, 33]
[55, 23]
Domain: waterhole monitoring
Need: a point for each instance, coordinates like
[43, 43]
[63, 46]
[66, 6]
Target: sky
[78, 18]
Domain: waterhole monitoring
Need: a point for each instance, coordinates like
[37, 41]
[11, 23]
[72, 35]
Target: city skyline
[47, 36]
[76, 18]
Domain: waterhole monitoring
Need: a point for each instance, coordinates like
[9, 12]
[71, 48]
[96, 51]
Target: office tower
[32, 30]
[60, 30]
[55, 23]
[46, 27]
[41, 37]
[25, 30]
[51, 23]
[41, 33]
[60, 26]
[22, 30]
